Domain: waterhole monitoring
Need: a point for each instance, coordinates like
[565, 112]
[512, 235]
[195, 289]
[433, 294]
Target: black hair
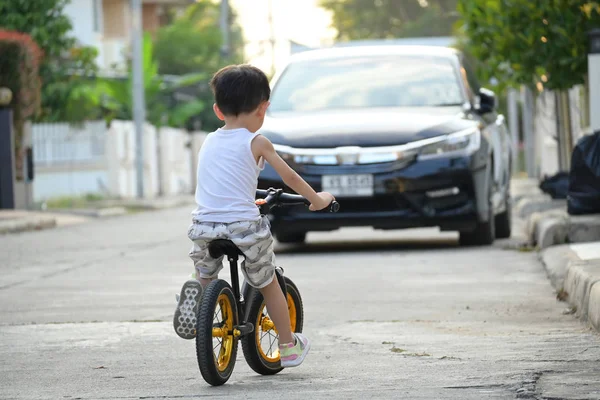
[240, 89]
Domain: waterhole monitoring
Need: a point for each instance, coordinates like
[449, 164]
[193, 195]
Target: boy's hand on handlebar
[325, 199]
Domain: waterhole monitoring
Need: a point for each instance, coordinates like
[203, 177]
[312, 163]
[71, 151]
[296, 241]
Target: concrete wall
[87, 20]
[545, 125]
[116, 18]
[82, 14]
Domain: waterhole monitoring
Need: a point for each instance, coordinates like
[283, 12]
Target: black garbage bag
[584, 181]
[557, 186]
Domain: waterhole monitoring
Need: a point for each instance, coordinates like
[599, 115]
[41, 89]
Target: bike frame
[246, 291]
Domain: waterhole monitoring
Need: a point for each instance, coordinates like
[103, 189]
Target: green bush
[530, 42]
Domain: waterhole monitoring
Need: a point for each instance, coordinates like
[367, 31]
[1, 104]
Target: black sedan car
[403, 136]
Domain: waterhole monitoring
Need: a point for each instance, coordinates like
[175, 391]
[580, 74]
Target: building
[107, 25]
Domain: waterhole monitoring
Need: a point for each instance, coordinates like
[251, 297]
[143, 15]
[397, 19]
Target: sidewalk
[547, 222]
[574, 270]
[14, 221]
[569, 247]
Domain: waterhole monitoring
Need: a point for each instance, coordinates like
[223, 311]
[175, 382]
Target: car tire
[291, 237]
[485, 232]
[503, 220]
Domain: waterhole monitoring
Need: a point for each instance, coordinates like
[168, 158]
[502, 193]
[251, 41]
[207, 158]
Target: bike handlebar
[276, 197]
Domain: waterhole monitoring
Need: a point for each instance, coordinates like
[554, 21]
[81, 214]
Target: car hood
[365, 128]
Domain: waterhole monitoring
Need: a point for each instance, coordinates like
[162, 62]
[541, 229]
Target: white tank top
[227, 178]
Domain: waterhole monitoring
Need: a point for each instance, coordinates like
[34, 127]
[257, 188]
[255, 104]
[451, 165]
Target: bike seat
[220, 247]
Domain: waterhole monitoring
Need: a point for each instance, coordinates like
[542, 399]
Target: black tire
[504, 220]
[261, 362]
[485, 232]
[291, 237]
[217, 293]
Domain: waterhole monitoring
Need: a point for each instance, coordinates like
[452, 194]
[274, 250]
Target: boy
[228, 167]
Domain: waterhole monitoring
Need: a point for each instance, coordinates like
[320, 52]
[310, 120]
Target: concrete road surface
[85, 312]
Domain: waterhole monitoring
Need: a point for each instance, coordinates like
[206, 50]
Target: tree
[65, 68]
[116, 97]
[198, 50]
[19, 71]
[390, 19]
[526, 42]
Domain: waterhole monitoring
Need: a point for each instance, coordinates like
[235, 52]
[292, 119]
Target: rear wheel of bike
[261, 348]
[216, 345]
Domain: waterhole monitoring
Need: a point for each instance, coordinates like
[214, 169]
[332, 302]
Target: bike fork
[245, 327]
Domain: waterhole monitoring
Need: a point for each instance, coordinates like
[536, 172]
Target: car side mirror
[487, 101]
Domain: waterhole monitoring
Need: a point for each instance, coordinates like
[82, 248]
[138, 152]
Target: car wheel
[485, 232]
[503, 220]
[291, 237]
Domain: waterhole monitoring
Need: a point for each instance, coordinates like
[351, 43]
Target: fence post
[7, 160]
[528, 135]
[565, 131]
[513, 126]
[594, 79]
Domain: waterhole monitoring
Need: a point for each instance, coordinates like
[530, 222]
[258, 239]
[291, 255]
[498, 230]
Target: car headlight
[467, 141]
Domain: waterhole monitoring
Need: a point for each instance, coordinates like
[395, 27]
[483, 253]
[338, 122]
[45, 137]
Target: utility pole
[139, 106]
[594, 79]
[513, 127]
[224, 23]
[272, 37]
[528, 134]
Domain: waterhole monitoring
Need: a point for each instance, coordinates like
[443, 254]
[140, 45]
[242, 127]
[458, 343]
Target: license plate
[348, 185]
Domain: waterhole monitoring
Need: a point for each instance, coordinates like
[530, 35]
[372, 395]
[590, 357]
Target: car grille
[352, 169]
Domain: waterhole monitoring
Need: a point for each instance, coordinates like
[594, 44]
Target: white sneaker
[184, 320]
[292, 355]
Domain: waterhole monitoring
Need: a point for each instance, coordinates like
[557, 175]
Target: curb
[581, 277]
[556, 260]
[24, 224]
[153, 204]
[594, 307]
[552, 227]
[574, 271]
[93, 212]
[528, 205]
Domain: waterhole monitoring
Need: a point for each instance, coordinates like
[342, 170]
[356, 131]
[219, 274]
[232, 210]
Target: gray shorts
[252, 237]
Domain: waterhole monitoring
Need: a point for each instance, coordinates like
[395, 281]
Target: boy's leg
[256, 242]
[278, 311]
[293, 347]
[206, 269]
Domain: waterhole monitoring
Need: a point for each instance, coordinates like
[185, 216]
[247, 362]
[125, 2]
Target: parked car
[403, 136]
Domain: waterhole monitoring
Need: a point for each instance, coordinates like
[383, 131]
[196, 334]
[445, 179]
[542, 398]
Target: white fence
[61, 144]
[73, 161]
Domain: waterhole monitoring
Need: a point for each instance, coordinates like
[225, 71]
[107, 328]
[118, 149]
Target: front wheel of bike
[216, 345]
[261, 348]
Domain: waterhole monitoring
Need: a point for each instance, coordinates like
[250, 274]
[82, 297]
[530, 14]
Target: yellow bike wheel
[216, 344]
[261, 348]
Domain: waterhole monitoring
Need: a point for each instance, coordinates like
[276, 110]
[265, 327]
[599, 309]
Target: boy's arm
[262, 147]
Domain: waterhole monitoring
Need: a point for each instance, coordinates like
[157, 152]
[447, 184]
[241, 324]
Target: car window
[365, 82]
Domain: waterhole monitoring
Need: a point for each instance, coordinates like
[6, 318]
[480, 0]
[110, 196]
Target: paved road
[85, 313]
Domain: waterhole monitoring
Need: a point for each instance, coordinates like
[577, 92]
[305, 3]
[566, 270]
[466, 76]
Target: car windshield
[366, 82]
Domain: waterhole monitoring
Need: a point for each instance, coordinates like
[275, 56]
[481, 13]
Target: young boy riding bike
[229, 163]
